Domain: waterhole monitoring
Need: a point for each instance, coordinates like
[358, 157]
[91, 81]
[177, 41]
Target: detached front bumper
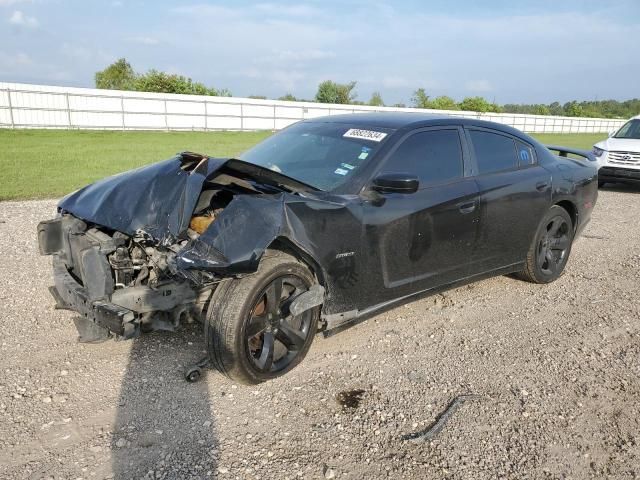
[70, 295]
[84, 283]
[617, 174]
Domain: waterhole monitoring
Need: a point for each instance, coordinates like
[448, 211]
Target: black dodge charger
[319, 226]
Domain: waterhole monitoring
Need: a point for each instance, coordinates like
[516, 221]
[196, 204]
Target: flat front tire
[551, 247]
[251, 335]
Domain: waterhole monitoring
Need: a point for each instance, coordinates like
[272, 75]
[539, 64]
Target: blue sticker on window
[524, 155]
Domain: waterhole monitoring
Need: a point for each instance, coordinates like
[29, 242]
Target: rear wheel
[549, 252]
[251, 334]
[601, 183]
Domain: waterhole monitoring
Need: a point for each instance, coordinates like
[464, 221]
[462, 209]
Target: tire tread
[226, 310]
[529, 272]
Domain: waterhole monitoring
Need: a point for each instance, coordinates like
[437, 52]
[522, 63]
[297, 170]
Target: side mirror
[395, 183]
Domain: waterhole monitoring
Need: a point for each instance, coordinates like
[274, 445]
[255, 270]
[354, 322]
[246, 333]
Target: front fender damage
[235, 242]
[161, 266]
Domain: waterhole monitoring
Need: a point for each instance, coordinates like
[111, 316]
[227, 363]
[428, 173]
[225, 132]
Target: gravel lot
[558, 367]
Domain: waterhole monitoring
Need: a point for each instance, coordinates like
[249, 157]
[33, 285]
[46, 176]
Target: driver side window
[434, 156]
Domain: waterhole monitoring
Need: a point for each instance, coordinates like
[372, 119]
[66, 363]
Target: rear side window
[434, 156]
[525, 154]
[494, 153]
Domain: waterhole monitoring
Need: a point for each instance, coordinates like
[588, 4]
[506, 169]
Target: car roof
[398, 120]
[381, 119]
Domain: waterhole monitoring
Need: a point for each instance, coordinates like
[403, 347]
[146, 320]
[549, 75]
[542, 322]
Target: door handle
[542, 186]
[467, 207]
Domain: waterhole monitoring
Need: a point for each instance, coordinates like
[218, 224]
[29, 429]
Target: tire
[551, 247]
[248, 338]
[601, 183]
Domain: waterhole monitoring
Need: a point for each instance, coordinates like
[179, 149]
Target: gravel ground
[558, 367]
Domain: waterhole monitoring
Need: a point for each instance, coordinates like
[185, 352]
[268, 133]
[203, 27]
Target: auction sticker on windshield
[365, 134]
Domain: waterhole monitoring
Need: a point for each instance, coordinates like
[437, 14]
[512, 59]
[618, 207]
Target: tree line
[121, 76]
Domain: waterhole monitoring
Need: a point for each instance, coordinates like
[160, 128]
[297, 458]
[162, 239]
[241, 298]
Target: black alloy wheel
[550, 248]
[250, 332]
[554, 245]
[274, 337]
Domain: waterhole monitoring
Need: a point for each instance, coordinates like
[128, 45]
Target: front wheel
[549, 252]
[250, 332]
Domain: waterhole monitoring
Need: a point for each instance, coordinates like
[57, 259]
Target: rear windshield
[630, 130]
[323, 155]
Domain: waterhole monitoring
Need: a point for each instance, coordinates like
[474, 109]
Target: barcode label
[365, 134]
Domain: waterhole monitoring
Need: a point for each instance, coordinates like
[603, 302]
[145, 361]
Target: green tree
[376, 100]
[332, 92]
[556, 109]
[476, 104]
[444, 103]
[258, 97]
[157, 81]
[572, 109]
[288, 97]
[420, 99]
[117, 76]
[120, 75]
[540, 110]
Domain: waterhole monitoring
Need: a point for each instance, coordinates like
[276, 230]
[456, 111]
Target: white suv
[619, 155]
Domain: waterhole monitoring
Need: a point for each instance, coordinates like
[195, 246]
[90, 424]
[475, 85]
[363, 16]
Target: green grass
[51, 163]
[576, 140]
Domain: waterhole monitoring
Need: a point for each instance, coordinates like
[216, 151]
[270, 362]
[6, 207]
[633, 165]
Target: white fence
[43, 106]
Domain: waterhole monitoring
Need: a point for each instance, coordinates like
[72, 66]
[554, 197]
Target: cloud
[295, 56]
[198, 11]
[13, 63]
[19, 18]
[7, 3]
[268, 47]
[15, 60]
[288, 10]
[76, 52]
[395, 81]
[478, 86]
[142, 40]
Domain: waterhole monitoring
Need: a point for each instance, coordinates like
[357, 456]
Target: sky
[507, 51]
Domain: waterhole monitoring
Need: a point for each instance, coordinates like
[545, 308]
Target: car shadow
[164, 425]
[621, 187]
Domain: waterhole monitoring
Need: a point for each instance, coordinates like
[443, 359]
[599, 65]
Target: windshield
[630, 130]
[323, 155]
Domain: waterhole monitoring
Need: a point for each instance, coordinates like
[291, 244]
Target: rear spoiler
[565, 151]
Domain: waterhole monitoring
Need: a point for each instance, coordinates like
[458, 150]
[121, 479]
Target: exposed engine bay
[139, 272]
[141, 260]
[147, 250]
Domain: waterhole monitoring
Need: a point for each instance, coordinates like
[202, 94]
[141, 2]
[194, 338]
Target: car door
[417, 241]
[515, 192]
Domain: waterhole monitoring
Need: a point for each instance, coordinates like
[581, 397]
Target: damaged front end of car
[143, 250]
[119, 284]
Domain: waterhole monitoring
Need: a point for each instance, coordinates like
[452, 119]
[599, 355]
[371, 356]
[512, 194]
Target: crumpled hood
[619, 145]
[158, 198]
